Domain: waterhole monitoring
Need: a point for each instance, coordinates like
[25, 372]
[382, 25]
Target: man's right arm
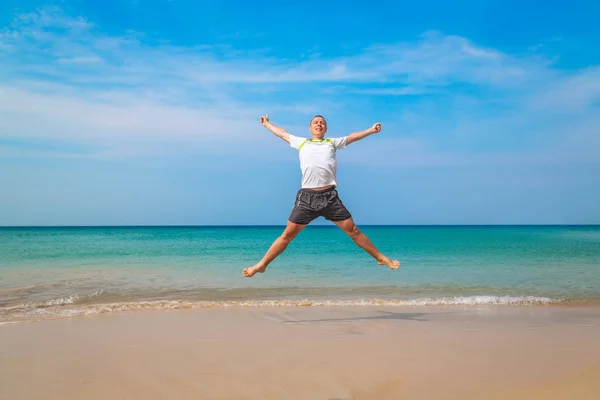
[282, 133]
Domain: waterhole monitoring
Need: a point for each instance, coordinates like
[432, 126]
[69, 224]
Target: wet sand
[307, 353]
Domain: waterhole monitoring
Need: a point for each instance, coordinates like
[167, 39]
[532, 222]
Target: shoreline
[380, 352]
[52, 310]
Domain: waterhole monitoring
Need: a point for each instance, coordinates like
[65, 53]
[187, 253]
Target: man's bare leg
[365, 243]
[278, 246]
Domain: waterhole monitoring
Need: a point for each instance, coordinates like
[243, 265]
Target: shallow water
[49, 272]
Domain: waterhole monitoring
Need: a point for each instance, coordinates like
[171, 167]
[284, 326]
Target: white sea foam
[64, 307]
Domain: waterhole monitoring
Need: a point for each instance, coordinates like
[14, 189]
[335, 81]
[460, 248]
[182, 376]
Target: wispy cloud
[49, 36]
[66, 79]
[393, 91]
[573, 92]
[80, 60]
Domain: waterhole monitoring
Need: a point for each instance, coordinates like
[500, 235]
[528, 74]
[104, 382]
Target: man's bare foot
[395, 264]
[248, 272]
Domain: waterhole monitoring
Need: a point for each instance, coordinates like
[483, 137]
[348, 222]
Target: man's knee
[287, 236]
[353, 231]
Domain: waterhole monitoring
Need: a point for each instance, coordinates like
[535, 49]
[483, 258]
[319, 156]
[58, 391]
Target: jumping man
[318, 196]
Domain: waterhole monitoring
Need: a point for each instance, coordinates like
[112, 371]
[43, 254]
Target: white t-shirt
[317, 160]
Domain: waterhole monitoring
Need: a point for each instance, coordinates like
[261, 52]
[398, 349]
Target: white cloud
[66, 79]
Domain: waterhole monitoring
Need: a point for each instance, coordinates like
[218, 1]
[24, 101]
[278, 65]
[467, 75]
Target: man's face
[318, 127]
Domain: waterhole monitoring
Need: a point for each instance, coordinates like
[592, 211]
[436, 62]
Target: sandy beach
[307, 353]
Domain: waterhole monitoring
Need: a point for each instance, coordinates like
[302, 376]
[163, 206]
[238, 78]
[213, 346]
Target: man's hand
[265, 119]
[376, 128]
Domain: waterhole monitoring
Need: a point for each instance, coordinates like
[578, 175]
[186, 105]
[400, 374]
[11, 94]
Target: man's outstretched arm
[353, 137]
[282, 133]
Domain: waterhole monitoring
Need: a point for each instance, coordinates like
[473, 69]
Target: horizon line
[283, 225]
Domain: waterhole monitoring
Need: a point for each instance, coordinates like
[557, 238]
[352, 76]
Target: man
[318, 196]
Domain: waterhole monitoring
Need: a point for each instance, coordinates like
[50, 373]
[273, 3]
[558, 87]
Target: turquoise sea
[54, 272]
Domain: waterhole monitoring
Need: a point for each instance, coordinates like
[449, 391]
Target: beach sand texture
[488, 352]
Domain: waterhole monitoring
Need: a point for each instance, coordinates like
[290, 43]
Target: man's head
[318, 127]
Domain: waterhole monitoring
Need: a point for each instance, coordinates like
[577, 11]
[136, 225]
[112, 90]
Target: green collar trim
[317, 141]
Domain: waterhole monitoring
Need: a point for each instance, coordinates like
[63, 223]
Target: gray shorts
[311, 204]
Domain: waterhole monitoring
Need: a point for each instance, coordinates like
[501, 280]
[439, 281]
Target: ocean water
[57, 272]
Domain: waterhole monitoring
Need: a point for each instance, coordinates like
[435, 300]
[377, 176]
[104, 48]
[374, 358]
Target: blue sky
[146, 112]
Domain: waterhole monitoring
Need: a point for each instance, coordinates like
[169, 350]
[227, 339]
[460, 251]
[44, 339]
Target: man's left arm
[353, 137]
